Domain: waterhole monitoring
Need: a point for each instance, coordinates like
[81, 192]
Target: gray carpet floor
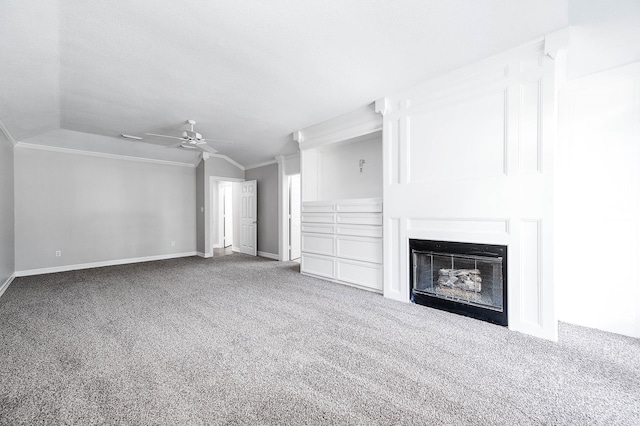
[242, 340]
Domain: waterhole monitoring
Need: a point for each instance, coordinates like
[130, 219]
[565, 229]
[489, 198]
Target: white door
[249, 217]
[294, 217]
[228, 216]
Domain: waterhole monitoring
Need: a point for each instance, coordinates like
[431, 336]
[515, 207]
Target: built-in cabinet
[342, 241]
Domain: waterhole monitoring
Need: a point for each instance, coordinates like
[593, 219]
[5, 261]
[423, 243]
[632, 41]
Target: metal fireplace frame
[469, 310]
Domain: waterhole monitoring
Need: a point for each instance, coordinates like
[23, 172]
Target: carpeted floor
[242, 340]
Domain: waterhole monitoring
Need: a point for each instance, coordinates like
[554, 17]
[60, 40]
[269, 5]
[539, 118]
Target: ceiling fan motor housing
[190, 134]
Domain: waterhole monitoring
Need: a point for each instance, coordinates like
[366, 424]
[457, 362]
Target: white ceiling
[252, 71]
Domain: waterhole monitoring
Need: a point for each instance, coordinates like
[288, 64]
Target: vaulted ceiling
[251, 71]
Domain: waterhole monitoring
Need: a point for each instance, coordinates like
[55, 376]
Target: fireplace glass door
[460, 277]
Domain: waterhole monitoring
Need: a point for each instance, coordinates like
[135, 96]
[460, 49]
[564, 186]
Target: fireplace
[463, 278]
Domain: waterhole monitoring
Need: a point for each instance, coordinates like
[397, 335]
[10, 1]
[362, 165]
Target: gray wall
[7, 219]
[215, 166]
[99, 209]
[200, 200]
[267, 177]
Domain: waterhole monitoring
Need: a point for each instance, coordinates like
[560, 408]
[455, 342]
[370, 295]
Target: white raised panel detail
[391, 146]
[319, 244]
[359, 218]
[360, 230]
[462, 140]
[317, 208]
[488, 226]
[317, 218]
[317, 265]
[372, 207]
[529, 149]
[318, 228]
[362, 274]
[393, 245]
[364, 249]
[530, 272]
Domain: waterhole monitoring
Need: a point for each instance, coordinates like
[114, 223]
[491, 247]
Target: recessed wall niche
[350, 169]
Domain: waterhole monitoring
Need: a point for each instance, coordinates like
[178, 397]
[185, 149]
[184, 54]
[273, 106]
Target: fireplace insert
[463, 278]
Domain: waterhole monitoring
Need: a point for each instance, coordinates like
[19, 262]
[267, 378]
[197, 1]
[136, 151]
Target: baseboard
[205, 255]
[217, 246]
[65, 268]
[236, 249]
[6, 284]
[268, 255]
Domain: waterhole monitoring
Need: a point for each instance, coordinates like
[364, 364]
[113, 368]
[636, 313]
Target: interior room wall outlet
[58, 253]
[173, 243]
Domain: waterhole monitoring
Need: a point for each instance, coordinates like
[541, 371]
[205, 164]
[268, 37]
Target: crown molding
[7, 133]
[101, 155]
[360, 122]
[224, 157]
[266, 163]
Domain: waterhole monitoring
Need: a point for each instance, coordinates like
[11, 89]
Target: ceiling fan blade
[175, 145]
[218, 141]
[207, 148]
[164, 136]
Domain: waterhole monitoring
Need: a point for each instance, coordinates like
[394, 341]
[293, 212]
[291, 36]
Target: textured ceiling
[247, 71]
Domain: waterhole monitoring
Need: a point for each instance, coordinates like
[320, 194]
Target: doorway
[226, 210]
[294, 216]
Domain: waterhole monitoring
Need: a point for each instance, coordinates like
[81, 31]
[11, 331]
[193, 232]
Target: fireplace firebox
[463, 278]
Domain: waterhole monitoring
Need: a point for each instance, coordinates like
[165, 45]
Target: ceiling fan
[191, 139]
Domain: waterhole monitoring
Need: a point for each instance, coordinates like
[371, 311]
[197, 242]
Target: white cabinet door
[249, 217]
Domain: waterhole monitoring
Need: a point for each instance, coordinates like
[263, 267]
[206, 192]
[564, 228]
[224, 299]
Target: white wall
[469, 157]
[339, 174]
[598, 207]
[7, 221]
[96, 209]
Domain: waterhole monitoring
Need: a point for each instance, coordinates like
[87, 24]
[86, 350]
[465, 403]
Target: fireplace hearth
[463, 278]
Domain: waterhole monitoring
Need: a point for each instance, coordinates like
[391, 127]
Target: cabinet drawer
[360, 273]
[318, 228]
[319, 244]
[359, 218]
[318, 217]
[317, 265]
[360, 230]
[370, 207]
[356, 248]
[317, 208]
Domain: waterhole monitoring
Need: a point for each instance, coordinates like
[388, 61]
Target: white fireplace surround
[469, 157]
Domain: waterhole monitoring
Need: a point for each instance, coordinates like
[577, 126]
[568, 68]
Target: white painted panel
[317, 218]
[530, 282]
[319, 244]
[459, 141]
[360, 218]
[530, 127]
[496, 226]
[317, 265]
[317, 208]
[365, 249]
[391, 151]
[318, 228]
[363, 274]
[370, 207]
[360, 230]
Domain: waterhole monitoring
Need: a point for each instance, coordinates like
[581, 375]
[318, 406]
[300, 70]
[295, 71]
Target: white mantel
[469, 157]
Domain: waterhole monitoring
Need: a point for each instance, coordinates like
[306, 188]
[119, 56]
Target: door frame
[283, 201]
[214, 205]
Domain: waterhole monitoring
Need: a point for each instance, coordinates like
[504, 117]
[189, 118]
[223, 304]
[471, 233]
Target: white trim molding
[6, 284]
[266, 163]
[7, 133]
[268, 255]
[102, 155]
[90, 265]
[362, 121]
[204, 255]
[224, 157]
